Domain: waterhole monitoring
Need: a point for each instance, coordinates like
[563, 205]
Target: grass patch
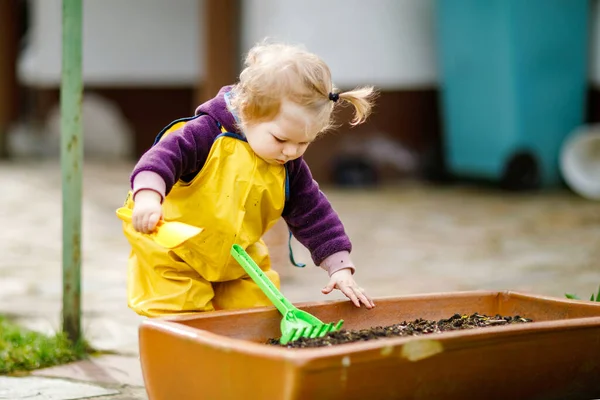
[25, 350]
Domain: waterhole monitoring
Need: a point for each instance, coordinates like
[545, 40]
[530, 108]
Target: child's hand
[343, 281]
[147, 211]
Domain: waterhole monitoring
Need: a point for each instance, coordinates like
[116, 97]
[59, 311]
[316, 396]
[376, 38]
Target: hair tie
[334, 97]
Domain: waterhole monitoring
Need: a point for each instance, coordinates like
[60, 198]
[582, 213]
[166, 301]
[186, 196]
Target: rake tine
[299, 333]
[285, 339]
[338, 325]
[331, 328]
[310, 331]
[315, 331]
[288, 337]
[305, 331]
[324, 330]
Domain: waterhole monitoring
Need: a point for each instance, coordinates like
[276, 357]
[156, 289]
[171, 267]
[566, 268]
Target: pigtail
[362, 100]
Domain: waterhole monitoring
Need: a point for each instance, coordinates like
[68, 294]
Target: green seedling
[592, 297]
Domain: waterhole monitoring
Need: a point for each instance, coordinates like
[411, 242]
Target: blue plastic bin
[513, 80]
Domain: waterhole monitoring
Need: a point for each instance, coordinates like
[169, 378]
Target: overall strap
[287, 189]
[178, 123]
[225, 133]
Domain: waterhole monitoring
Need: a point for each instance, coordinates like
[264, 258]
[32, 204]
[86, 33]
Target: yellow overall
[236, 198]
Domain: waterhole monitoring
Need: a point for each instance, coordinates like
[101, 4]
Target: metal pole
[71, 157]
[8, 77]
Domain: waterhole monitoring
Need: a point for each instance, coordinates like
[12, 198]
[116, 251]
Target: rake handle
[258, 276]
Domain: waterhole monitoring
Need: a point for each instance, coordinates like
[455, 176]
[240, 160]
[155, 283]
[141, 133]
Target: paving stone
[37, 388]
[111, 369]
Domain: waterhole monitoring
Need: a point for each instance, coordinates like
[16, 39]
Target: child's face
[285, 138]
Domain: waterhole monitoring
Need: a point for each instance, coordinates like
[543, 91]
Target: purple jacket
[308, 213]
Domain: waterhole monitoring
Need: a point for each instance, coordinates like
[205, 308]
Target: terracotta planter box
[221, 355]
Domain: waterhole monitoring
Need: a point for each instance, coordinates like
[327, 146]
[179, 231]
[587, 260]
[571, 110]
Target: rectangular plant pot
[222, 355]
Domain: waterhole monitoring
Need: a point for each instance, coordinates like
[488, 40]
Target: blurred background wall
[147, 62]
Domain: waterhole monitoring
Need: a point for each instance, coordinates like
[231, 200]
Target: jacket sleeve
[182, 152]
[310, 216]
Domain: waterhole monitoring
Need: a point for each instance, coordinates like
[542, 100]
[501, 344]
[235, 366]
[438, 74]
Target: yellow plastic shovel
[168, 234]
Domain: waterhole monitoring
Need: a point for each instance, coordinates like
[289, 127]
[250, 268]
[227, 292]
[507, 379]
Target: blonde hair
[277, 72]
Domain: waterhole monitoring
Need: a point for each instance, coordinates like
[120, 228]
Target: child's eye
[279, 140]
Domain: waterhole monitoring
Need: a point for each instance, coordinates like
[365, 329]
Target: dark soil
[413, 328]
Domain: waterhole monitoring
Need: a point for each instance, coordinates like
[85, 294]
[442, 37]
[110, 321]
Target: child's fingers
[360, 293]
[136, 221]
[153, 220]
[351, 295]
[329, 288]
[372, 302]
[146, 223]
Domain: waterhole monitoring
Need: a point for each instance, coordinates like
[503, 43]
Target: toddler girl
[234, 169]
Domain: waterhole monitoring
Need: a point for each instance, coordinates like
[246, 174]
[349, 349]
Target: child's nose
[289, 150]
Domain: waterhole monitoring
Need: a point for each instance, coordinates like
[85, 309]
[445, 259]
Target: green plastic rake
[295, 323]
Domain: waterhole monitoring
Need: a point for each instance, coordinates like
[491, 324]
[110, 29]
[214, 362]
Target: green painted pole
[71, 157]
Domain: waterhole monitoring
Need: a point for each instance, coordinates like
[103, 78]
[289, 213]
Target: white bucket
[580, 161]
